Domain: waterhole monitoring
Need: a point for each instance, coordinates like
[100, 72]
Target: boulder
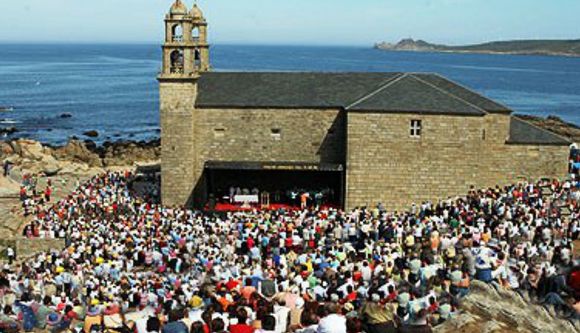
[77, 151]
[6, 149]
[91, 134]
[50, 166]
[29, 149]
[8, 130]
[65, 115]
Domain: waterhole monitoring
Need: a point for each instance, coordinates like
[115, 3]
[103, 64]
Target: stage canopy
[282, 166]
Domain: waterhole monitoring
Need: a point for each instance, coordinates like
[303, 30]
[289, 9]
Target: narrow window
[483, 135]
[416, 128]
[219, 132]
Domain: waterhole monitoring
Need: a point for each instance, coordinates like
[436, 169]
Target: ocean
[113, 88]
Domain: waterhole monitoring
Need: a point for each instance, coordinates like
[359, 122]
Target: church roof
[522, 132]
[380, 92]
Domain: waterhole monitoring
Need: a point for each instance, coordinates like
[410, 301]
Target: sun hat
[93, 311]
[196, 302]
[348, 307]
[53, 319]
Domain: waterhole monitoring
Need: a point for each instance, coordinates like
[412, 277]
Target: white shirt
[333, 323]
[281, 313]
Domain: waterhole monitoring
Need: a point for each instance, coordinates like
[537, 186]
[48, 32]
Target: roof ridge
[382, 87]
[469, 89]
[448, 93]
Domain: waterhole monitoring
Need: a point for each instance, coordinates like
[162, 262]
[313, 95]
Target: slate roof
[522, 132]
[286, 90]
[386, 92]
[359, 92]
[409, 93]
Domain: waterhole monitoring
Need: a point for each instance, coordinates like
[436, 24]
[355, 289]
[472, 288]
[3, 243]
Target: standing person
[175, 323]
[6, 168]
[304, 200]
[11, 254]
[47, 193]
[379, 317]
[332, 322]
[268, 325]
[242, 325]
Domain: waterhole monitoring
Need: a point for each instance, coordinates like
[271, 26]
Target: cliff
[528, 47]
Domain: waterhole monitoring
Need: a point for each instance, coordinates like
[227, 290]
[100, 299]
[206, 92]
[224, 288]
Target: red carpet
[227, 207]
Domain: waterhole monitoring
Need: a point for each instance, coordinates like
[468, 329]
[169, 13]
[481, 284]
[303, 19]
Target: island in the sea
[569, 48]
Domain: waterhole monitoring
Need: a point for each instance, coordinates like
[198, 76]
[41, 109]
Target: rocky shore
[76, 155]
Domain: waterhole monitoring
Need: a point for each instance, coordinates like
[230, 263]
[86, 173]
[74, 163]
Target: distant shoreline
[556, 48]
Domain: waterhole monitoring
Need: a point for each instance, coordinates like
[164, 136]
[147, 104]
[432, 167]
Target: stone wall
[28, 247]
[384, 164]
[177, 153]
[289, 135]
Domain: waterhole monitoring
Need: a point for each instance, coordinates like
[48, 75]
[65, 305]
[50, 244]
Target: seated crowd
[133, 266]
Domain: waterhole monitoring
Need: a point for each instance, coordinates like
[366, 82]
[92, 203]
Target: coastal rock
[127, 153]
[29, 149]
[8, 130]
[65, 116]
[50, 166]
[91, 134]
[487, 309]
[77, 151]
[8, 188]
[6, 149]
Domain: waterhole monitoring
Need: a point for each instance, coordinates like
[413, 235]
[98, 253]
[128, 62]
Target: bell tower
[185, 50]
[185, 58]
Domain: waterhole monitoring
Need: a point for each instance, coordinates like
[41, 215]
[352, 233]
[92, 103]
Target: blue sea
[112, 88]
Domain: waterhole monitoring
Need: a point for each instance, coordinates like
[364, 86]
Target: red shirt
[241, 328]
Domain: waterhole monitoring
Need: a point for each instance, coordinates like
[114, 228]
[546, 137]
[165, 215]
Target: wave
[9, 121]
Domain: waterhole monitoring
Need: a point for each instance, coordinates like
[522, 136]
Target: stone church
[393, 138]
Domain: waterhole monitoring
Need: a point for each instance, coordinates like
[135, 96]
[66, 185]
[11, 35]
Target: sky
[294, 22]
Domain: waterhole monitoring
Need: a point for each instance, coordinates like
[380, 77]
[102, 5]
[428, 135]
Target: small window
[416, 128]
[483, 135]
[276, 133]
[219, 132]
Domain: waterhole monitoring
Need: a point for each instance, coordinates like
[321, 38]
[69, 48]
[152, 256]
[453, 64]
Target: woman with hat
[93, 318]
[57, 323]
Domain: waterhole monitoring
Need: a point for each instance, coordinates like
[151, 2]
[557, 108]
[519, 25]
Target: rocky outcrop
[77, 156]
[407, 45]
[8, 131]
[78, 152]
[487, 309]
[91, 134]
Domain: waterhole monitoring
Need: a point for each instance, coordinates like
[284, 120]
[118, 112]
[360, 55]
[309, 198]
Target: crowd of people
[133, 266]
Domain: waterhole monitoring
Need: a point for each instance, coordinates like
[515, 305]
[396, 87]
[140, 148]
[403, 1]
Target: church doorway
[233, 186]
